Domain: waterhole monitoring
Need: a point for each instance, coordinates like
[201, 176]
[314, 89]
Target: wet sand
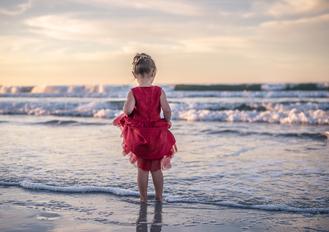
[25, 210]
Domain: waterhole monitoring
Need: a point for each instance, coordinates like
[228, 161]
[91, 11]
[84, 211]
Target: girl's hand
[169, 124]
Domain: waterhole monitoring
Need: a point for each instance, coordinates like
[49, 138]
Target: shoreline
[46, 211]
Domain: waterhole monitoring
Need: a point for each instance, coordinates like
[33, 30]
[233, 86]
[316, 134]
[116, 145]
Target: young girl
[146, 137]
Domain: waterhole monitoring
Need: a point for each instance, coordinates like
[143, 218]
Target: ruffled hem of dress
[165, 162]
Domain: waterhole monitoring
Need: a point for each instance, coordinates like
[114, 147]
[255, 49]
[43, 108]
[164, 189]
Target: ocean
[260, 148]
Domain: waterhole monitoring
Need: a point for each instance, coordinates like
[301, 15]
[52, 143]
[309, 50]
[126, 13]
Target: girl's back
[147, 103]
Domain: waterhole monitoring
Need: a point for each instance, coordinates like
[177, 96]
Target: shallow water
[217, 163]
[266, 151]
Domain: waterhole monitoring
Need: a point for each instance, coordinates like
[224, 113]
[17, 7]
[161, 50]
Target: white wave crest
[71, 189]
[292, 116]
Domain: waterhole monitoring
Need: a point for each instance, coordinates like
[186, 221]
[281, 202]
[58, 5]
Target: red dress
[146, 138]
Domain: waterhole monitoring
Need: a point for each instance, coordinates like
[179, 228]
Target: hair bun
[140, 56]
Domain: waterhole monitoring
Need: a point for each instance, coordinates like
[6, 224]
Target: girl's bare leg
[142, 180]
[157, 177]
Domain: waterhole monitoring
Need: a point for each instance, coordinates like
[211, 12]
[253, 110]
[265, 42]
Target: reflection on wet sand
[156, 225]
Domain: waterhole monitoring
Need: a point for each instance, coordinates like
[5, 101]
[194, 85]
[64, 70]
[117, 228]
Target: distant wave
[97, 109]
[314, 136]
[64, 90]
[258, 105]
[179, 90]
[293, 113]
[249, 94]
[282, 116]
[254, 87]
[69, 122]
[168, 198]
[274, 103]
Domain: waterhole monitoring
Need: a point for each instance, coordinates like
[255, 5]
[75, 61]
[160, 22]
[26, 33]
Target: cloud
[285, 9]
[214, 44]
[166, 6]
[121, 36]
[66, 27]
[247, 37]
[89, 36]
[25, 49]
[296, 7]
[301, 40]
[74, 27]
[15, 9]
[296, 22]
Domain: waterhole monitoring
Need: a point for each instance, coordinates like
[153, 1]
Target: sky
[51, 42]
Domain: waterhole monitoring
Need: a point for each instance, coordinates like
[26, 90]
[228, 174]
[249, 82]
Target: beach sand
[28, 210]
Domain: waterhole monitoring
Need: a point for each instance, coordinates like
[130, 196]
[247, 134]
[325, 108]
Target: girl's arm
[129, 105]
[165, 106]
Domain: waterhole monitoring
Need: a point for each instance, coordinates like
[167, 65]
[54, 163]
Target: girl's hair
[143, 64]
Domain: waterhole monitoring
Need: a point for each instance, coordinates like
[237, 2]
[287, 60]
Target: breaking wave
[167, 197]
[304, 103]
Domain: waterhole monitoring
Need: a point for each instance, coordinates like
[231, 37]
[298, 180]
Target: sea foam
[71, 189]
[167, 197]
